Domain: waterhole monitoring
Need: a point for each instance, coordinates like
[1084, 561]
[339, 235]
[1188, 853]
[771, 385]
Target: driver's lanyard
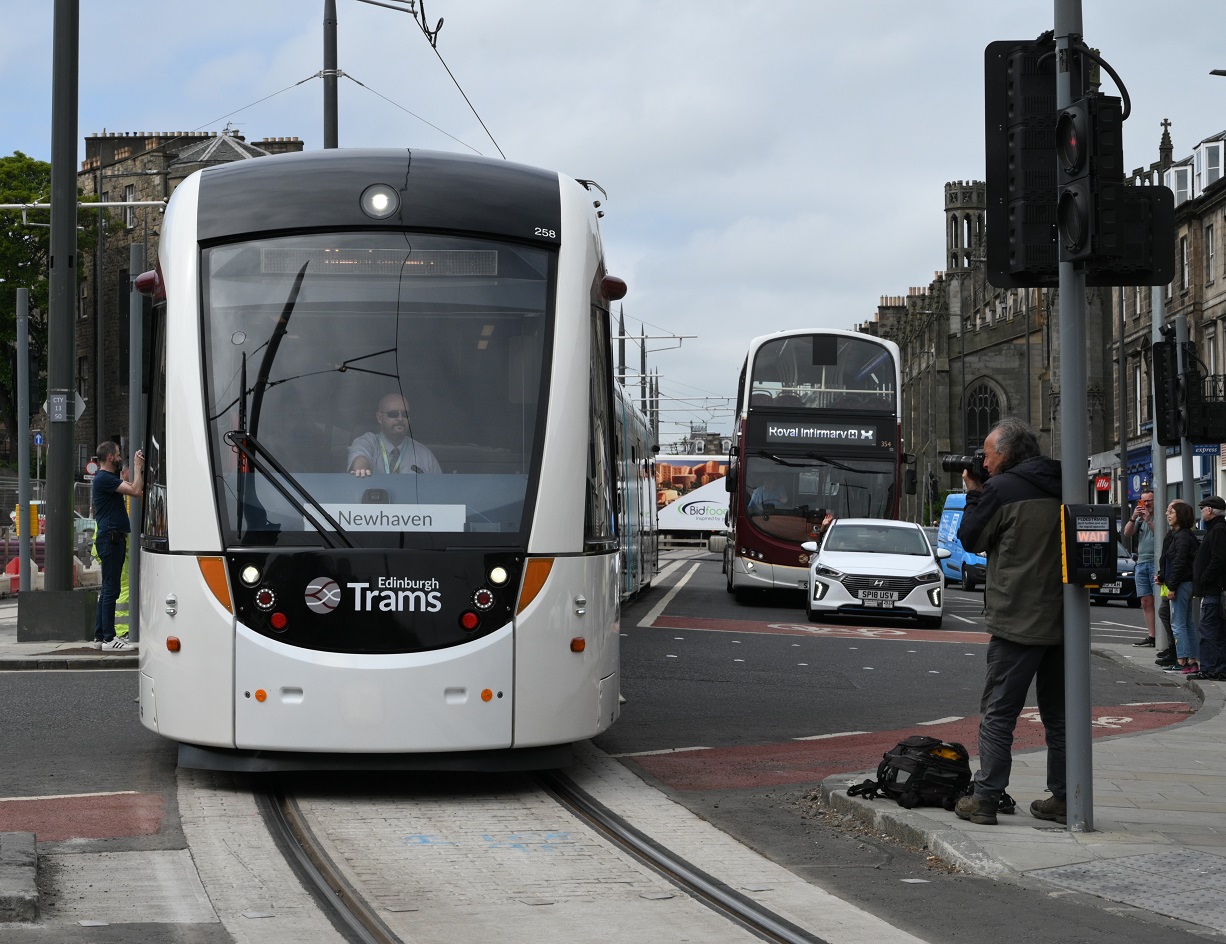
[387, 462]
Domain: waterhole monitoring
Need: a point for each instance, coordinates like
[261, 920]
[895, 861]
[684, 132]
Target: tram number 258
[543, 231]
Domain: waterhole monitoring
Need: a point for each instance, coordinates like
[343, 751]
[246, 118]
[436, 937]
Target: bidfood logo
[386, 595]
[701, 509]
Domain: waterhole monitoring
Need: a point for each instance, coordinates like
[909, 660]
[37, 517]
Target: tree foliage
[25, 255]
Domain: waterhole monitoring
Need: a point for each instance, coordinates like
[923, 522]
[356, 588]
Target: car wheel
[931, 622]
[968, 582]
[809, 614]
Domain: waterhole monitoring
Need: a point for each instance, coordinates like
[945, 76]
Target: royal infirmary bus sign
[855, 432]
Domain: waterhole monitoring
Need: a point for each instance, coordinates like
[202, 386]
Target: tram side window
[600, 524]
[154, 527]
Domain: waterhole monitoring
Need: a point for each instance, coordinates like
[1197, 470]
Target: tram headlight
[379, 201]
[498, 576]
[250, 575]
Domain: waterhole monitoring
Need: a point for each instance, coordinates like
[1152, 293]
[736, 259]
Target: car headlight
[1126, 573]
[933, 576]
[824, 571]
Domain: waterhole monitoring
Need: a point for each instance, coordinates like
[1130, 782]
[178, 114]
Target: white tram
[462, 599]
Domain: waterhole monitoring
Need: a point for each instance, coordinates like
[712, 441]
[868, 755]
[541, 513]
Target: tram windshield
[788, 498]
[395, 378]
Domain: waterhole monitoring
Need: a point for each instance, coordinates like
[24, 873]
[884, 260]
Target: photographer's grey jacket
[1015, 521]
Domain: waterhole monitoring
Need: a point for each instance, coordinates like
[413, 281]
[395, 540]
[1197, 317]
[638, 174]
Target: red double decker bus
[817, 433]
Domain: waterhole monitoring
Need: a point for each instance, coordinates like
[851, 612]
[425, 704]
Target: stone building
[1197, 292]
[131, 167]
[973, 353]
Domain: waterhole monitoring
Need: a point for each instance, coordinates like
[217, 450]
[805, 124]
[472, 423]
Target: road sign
[59, 411]
[91, 467]
[38, 439]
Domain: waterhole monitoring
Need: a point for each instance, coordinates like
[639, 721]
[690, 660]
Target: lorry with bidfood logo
[690, 493]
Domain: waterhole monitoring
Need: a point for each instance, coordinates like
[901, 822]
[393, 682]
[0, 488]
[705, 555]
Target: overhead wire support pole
[329, 75]
[1074, 458]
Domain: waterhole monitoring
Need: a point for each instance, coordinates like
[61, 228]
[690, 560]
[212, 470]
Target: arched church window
[982, 413]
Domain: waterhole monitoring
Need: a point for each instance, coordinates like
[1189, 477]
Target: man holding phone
[1141, 524]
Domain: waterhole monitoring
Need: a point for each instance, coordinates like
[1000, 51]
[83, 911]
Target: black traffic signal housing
[1020, 178]
[1177, 397]
[1090, 163]
[1127, 232]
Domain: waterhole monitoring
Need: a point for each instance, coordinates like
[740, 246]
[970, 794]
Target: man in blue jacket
[1014, 519]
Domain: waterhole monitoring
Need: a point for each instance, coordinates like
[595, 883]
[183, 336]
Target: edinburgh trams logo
[323, 595]
[386, 594]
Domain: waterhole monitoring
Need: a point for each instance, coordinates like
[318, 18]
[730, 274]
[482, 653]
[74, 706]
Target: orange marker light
[260, 694]
[535, 575]
[578, 644]
[172, 643]
[213, 569]
[486, 694]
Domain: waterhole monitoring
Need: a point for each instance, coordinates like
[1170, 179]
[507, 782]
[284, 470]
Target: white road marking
[71, 796]
[659, 608]
[667, 750]
[942, 720]
[822, 737]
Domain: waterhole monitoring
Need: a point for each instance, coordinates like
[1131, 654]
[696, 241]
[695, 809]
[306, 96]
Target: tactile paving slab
[1180, 883]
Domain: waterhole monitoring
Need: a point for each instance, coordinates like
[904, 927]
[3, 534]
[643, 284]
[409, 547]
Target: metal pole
[1186, 492]
[23, 435]
[1121, 368]
[1162, 639]
[100, 432]
[62, 283]
[1029, 420]
[136, 435]
[1074, 459]
[330, 119]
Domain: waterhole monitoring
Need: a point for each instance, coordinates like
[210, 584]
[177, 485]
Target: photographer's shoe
[977, 810]
[1052, 808]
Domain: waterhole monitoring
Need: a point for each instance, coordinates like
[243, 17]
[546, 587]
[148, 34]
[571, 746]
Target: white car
[875, 567]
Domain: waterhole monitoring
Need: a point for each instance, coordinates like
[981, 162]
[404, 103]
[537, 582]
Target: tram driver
[391, 449]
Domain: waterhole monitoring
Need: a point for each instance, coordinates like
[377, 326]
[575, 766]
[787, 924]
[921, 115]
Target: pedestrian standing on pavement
[1175, 573]
[112, 535]
[1141, 525]
[1014, 518]
[1208, 579]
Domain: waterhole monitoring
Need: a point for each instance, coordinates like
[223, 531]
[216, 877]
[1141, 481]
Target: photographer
[1013, 516]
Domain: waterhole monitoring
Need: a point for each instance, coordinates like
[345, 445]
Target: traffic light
[1020, 178]
[1090, 158]
[1177, 397]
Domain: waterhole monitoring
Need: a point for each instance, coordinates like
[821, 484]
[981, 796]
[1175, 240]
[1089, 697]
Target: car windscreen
[873, 539]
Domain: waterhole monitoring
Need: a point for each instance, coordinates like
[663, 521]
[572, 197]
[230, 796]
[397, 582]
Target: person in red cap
[1208, 578]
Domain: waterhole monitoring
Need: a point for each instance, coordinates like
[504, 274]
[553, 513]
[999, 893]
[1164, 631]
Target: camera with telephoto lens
[972, 464]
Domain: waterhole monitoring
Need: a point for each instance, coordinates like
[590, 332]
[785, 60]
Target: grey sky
[769, 165]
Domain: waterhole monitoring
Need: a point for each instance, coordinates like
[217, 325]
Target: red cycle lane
[87, 816]
[808, 761]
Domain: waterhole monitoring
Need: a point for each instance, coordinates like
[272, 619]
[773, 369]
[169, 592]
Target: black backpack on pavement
[920, 770]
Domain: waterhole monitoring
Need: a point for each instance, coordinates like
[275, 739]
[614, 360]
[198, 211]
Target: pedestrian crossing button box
[1088, 545]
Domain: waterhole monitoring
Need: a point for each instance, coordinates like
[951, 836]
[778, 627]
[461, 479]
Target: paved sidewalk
[1159, 817]
[16, 655]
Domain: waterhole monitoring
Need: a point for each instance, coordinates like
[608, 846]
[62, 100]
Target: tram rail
[360, 922]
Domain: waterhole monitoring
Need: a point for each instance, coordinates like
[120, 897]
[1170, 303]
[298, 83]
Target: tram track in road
[355, 912]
